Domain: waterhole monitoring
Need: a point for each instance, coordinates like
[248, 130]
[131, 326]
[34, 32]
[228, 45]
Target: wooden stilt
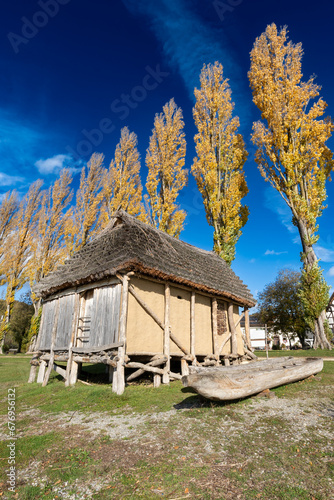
[33, 369]
[71, 363]
[232, 329]
[184, 367]
[32, 374]
[165, 377]
[192, 326]
[118, 376]
[247, 328]
[73, 372]
[156, 380]
[41, 372]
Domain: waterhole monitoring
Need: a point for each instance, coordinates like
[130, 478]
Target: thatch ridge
[128, 244]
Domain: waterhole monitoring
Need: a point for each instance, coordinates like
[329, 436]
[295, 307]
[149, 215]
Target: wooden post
[214, 309]
[33, 368]
[41, 372]
[232, 329]
[165, 377]
[247, 329]
[156, 380]
[73, 373]
[192, 325]
[72, 378]
[184, 367]
[118, 376]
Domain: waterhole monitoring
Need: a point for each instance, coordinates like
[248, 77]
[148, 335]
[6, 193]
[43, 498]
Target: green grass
[308, 353]
[185, 447]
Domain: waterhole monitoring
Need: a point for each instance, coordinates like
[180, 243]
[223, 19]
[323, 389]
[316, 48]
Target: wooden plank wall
[105, 314]
[65, 320]
[47, 323]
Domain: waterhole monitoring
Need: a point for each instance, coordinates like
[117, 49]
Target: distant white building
[257, 333]
[330, 312]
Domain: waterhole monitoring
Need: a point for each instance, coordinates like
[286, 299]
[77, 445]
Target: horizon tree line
[40, 231]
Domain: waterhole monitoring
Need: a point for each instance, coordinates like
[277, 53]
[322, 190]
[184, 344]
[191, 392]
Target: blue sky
[74, 72]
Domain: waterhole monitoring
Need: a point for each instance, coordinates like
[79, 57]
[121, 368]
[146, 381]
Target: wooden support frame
[247, 328]
[156, 319]
[72, 366]
[192, 325]
[214, 310]
[165, 376]
[41, 372]
[33, 369]
[232, 328]
[118, 385]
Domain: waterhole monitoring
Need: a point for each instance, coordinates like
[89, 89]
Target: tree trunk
[309, 259]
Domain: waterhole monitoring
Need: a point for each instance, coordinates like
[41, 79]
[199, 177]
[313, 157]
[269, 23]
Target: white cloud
[9, 180]
[56, 163]
[324, 254]
[272, 252]
[331, 271]
[52, 165]
[188, 42]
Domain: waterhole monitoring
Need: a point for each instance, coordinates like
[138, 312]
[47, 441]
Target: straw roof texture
[128, 244]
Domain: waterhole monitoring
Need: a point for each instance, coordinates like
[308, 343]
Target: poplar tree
[122, 188]
[17, 253]
[218, 166]
[165, 160]
[47, 246]
[8, 209]
[82, 221]
[291, 151]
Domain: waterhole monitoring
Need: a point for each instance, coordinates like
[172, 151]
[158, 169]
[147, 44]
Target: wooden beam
[240, 318]
[71, 379]
[59, 370]
[118, 376]
[223, 344]
[192, 323]
[247, 328]
[156, 362]
[165, 377]
[33, 369]
[146, 368]
[232, 328]
[214, 308]
[41, 372]
[156, 319]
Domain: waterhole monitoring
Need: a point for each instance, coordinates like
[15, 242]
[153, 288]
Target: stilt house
[140, 300]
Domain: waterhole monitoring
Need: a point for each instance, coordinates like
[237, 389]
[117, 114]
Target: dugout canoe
[225, 383]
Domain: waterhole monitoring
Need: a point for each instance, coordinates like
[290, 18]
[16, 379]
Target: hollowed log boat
[225, 383]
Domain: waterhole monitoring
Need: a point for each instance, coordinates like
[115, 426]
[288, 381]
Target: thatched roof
[127, 244]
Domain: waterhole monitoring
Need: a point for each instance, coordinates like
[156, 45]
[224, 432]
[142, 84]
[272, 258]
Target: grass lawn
[308, 353]
[85, 442]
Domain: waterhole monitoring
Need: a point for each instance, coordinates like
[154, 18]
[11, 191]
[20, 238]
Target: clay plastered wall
[143, 333]
[221, 338]
[203, 325]
[239, 332]
[180, 318]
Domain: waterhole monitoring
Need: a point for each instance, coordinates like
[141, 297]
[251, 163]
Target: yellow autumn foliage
[166, 177]
[218, 166]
